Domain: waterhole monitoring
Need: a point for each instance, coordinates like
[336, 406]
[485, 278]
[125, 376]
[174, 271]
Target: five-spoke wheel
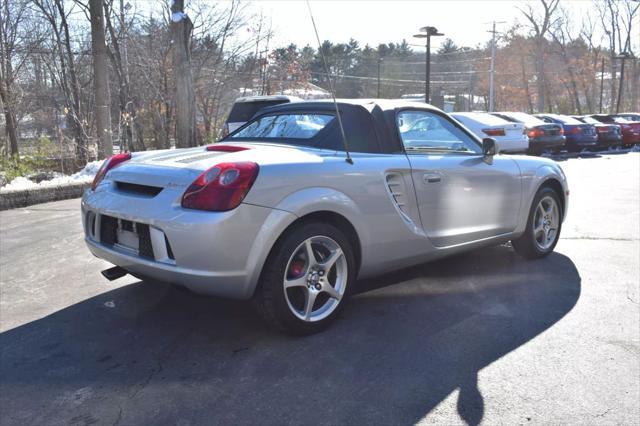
[307, 278]
[315, 278]
[543, 226]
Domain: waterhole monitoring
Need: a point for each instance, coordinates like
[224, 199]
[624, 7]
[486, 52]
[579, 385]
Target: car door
[462, 195]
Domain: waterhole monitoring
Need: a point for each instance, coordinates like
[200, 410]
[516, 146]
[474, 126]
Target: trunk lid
[180, 167]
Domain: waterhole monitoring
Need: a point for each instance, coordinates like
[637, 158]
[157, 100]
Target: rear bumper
[630, 138]
[547, 142]
[215, 253]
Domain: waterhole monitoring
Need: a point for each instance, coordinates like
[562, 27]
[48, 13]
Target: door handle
[431, 178]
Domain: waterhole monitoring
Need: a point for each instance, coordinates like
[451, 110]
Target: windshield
[284, 126]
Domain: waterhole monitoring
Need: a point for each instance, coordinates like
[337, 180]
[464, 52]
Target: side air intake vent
[396, 186]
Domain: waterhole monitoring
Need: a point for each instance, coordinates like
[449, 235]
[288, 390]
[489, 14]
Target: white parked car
[509, 137]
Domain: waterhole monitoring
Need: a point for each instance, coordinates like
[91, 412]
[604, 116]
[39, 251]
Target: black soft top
[368, 124]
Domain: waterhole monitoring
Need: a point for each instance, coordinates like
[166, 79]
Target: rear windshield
[284, 126]
[243, 111]
[569, 120]
[589, 120]
[479, 117]
[525, 118]
[620, 120]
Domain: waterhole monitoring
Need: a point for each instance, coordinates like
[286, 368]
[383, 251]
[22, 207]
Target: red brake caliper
[296, 268]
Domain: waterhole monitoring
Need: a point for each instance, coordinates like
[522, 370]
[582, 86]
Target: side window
[426, 131]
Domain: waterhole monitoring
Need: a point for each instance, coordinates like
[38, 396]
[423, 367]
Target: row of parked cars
[514, 132]
[517, 132]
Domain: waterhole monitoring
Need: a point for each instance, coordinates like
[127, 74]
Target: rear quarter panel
[535, 172]
[357, 192]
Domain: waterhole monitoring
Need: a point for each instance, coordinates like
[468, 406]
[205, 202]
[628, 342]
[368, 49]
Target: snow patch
[85, 175]
[178, 16]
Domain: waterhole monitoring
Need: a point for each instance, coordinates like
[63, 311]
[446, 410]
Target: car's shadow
[148, 353]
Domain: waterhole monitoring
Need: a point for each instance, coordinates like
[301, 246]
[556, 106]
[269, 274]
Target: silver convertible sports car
[291, 208]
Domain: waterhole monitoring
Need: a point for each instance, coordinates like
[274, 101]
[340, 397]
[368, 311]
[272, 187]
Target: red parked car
[630, 129]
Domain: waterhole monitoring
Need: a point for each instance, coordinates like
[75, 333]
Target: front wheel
[307, 279]
[543, 226]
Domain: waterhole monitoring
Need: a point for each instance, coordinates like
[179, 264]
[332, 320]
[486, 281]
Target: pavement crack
[119, 418]
[603, 413]
[163, 356]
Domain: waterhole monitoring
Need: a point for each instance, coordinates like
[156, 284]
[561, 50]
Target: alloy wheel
[546, 222]
[315, 278]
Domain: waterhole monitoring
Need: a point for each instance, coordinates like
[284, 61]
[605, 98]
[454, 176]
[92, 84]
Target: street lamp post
[428, 32]
[622, 56]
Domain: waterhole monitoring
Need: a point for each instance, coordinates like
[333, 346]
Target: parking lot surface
[481, 337]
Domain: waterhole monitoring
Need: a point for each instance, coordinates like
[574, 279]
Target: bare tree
[12, 35]
[63, 69]
[564, 41]
[540, 26]
[616, 19]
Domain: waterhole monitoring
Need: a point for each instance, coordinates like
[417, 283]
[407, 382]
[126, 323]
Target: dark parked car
[542, 136]
[578, 134]
[630, 129]
[245, 108]
[609, 135]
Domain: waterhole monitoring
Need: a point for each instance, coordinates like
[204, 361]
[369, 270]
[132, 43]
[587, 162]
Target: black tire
[269, 297]
[526, 245]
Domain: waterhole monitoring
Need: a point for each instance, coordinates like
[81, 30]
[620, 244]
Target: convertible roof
[368, 104]
[369, 123]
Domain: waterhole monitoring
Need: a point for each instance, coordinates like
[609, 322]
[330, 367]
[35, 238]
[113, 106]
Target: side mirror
[488, 147]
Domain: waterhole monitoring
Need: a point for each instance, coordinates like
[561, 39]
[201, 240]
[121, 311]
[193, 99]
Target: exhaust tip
[114, 273]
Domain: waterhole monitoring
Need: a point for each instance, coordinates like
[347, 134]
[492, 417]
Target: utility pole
[601, 85]
[181, 29]
[101, 79]
[428, 32]
[493, 66]
[379, 62]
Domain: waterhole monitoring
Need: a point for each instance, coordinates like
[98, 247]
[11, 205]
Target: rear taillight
[493, 132]
[535, 132]
[561, 131]
[574, 130]
[107, 165]
[602, 129]
[221, 187]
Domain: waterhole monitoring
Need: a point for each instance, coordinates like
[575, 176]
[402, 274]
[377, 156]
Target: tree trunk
[11, 123]
[6, 81]
[181, 28]
[635, 85]
[101, 80]
[540, 76]
[75, 115]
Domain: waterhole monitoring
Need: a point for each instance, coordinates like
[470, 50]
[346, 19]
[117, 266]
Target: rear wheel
[306, 279]
[543, 226]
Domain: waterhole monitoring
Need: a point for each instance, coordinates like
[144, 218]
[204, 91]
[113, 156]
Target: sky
[383, 21]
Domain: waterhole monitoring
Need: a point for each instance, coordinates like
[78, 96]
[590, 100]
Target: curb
[29, 197]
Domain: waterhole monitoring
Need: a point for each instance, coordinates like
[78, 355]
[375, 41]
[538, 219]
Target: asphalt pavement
[484, 337]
